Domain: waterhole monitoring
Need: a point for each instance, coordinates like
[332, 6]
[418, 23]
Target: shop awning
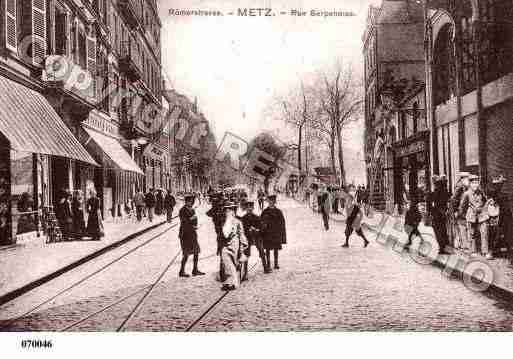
[114, 151]
[30, 124]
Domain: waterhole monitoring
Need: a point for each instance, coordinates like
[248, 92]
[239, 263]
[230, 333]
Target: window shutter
[38, 31]
[91, 60]
[11, 31]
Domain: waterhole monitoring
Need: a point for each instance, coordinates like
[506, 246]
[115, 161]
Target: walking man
[438, 200]
[217, 215]
[188, 236]
[169, 205]
[150, 201]
[261, 197]
[274, 233]
[325, 208]
[354, 216]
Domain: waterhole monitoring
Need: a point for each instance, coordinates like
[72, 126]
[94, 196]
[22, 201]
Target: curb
[9, 296]
[495, 291]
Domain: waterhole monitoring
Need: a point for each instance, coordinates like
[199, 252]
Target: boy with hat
[274, 233]
[473, 208]
[188, 236]
[252, 230]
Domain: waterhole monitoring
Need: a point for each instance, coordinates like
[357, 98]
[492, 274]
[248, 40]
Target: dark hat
[271, 197]
[189, 197]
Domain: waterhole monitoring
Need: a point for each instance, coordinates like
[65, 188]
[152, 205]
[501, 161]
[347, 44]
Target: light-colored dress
[232, 251]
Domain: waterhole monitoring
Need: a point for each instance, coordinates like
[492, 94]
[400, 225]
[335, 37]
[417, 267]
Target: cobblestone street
[320, 286]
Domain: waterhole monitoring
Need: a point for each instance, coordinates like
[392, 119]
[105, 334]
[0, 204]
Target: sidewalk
[457, 264]
[23, 266]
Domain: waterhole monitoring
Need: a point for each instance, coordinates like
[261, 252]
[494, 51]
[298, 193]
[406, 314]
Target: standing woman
[77, 208]
[67, 217]
[274, 232]
[234, 247]
[94, 220]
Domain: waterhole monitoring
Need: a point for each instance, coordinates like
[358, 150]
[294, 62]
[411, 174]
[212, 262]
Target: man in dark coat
[150, 201]
[437, 201]
[217, 213]
[252, 229]
[169, 205]
[274, 233]
[188, 236]
[458, 221]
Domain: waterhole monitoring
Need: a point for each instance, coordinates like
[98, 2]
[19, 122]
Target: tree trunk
[341, 156]
[332, 153]
[299, 148]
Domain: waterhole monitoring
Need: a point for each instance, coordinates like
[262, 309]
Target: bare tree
[340, 101]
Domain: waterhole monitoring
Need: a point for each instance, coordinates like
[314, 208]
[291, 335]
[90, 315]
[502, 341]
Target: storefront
[119, 176]
[411, 168]
[38, 157]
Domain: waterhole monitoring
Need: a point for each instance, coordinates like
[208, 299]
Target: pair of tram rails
[147, 290]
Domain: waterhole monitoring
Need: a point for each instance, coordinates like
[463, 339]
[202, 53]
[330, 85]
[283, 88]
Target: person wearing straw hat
[234, 247]
[473, 208]
[188, 236]
[458, 221]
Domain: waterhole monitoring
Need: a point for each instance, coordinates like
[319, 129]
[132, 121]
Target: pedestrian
[234, 246]
[77, 209]
[216, 212]
[458, 220]
[502, 237]
[274, 233]
[412, 219]
[159, 202]
[139, 201]
[252, 229]
[149, 201]
[94, 220]
[67, 217]
[261, 198]
[325, 208]
[188, 236]
[437, 201]
[473, 208]
[169, 205]
[354, 215]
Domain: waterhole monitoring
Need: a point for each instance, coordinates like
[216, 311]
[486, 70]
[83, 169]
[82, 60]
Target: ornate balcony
[129, 61]
[129, 10]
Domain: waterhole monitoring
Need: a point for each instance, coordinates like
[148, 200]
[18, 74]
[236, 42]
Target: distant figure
[159, 202]
[274, 232]
[67, 217]
[354, 216]
[261, 198]
[149, 200]
[139, 202]
[189, 237]
[94, 220]
[78, 214]
[169, 205]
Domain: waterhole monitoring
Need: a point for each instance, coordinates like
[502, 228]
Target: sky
[235, 65]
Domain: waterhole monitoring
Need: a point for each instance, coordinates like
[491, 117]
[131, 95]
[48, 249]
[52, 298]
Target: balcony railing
[130, 60]
[131, 11]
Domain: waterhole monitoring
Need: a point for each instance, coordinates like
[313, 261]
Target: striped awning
[30, 124]
[114, 151]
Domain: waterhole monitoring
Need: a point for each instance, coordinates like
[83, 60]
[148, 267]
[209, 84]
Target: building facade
[469, 48]
[82, 82]
[393, 53]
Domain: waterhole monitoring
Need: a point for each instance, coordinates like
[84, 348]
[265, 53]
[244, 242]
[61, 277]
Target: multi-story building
[393, 51]
[80, 101]
[470, 87]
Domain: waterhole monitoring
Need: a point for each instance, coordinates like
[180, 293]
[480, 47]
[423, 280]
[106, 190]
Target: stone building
[393, 52]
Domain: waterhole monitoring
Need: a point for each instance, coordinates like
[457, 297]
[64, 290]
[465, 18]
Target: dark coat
[94, 226]
[274, 233]
[413, 217]
[169, 201]
[187, 232]
[149, 200]
[78, 217]
[252, 227]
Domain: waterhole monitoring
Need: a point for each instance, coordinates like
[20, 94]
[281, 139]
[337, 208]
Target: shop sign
[411, 148]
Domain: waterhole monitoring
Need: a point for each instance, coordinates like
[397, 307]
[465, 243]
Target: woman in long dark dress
[78, 215]
[94, 221]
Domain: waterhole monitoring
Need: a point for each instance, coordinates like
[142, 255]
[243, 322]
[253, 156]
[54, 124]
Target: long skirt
[229, 266]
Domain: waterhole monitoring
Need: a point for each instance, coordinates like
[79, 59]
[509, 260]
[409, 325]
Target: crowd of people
[474, 219]
[237, 228]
